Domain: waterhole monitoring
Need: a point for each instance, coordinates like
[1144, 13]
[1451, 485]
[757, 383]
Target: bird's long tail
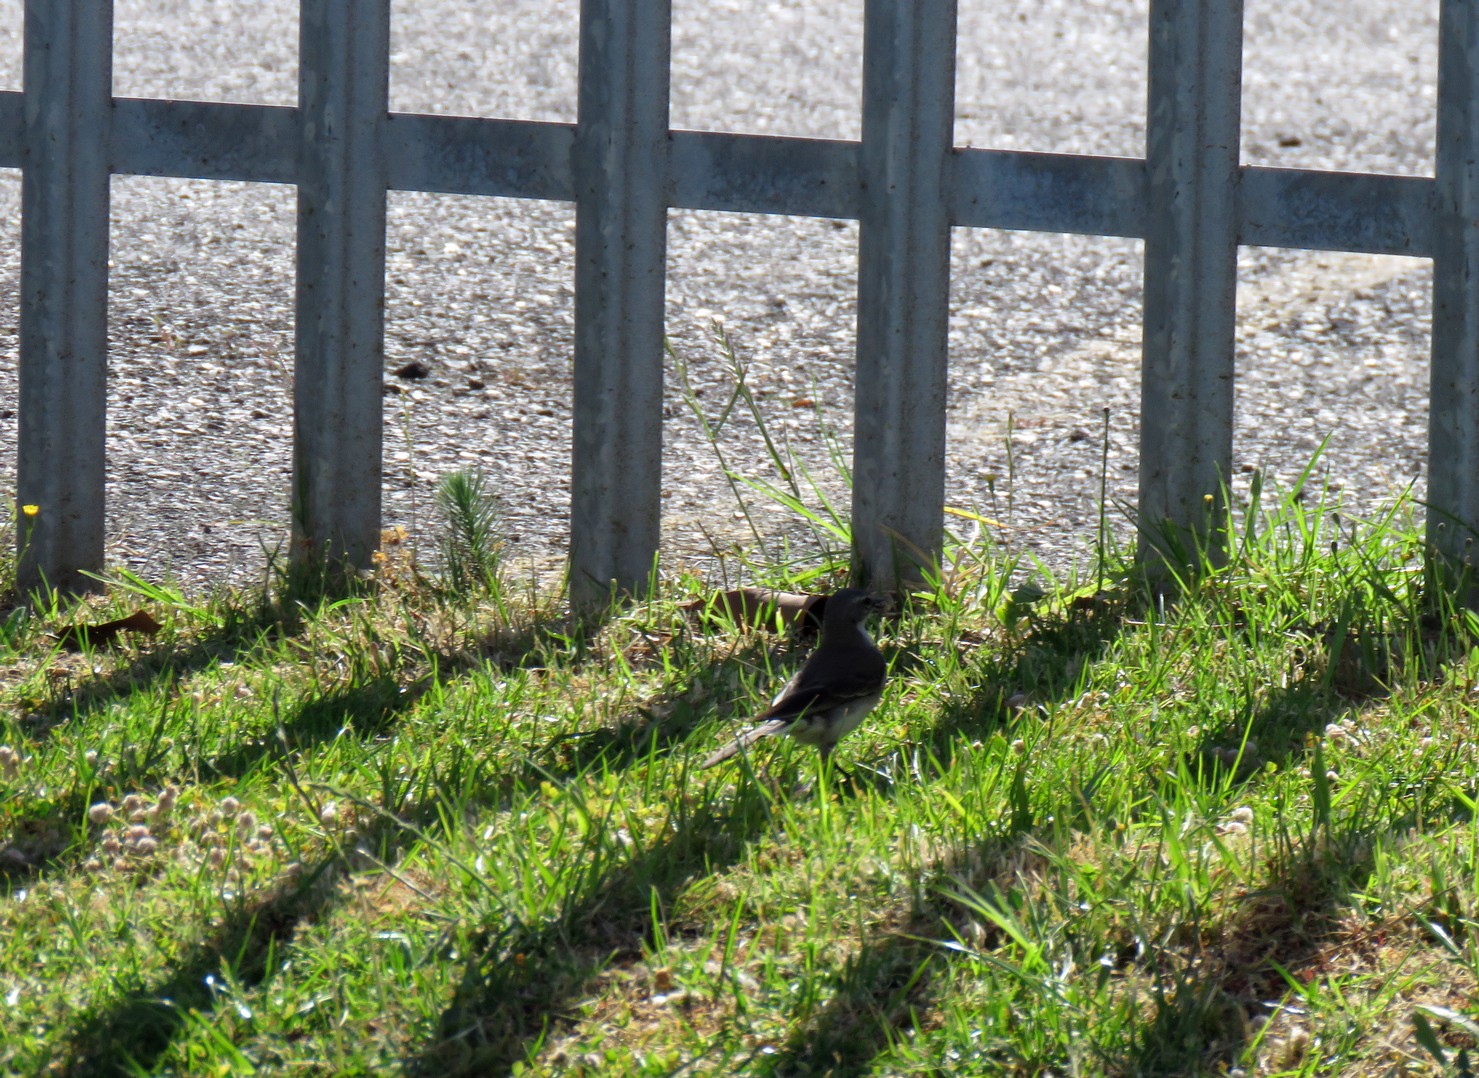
[744, 741]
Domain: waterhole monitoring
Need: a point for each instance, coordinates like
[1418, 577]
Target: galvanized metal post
[1453, 425]
[1191, 247]
[343, 99]
[903, 288]
[64, 292]
[620, 165]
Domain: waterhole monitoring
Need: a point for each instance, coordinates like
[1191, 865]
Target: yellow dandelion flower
[30, 510]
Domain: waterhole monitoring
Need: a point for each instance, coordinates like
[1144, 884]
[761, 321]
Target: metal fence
[904, 181]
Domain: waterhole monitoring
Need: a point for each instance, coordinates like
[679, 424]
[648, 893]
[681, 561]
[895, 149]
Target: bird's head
[851, 606]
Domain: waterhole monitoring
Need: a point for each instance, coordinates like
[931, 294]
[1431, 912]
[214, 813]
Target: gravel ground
[1044, 328]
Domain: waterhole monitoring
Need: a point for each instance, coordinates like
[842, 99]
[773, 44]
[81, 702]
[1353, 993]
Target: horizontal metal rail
[801, 177]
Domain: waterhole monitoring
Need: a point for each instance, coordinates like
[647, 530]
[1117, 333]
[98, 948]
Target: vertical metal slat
[343, 99]
[1191, 240]
[1453, 425]
[903, 288]
[620, 165]
[64, 292]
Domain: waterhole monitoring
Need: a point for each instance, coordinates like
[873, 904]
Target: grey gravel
[1044, 328]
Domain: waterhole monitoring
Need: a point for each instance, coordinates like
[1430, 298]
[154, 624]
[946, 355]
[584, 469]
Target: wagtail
[840, 682]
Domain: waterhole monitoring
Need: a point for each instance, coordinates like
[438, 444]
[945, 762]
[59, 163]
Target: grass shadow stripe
[133, 1033]
[523, 980]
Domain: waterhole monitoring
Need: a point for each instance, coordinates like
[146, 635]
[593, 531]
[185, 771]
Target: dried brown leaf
[76, 637]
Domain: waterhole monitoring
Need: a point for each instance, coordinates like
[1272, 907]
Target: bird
[840, 682]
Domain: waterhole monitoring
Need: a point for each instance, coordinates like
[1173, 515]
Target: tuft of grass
[786, 480]
[472, 540]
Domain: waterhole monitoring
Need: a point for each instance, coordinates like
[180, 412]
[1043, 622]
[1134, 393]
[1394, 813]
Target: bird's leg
[837, 769]
[828, 768]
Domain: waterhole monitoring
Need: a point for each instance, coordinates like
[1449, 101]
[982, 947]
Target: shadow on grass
[240, 635]
[663, 724]
[524, 980]
[880, 994]
[1197, 1020]
[1286, 929]
[1290, 929]
[247, 630]
[498, 1006]
[1371, 640]
[878, 997]
[132, 1034]
[497, 1009]
[360, 710]
[1276, 728]
[634, 737]
[40, 839]
[364, 707]
[1043, 665]
[1196, 1014]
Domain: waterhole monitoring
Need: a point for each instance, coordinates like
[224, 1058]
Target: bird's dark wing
[822, 690]
[844, 669]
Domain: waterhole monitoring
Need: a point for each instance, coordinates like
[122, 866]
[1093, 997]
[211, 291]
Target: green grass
[1095, 832]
